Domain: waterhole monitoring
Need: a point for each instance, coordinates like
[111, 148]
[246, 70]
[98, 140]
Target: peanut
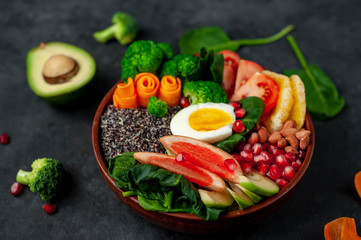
[301, 134]
[282, 143]
[289, 124]
[274, 137]
[263, 135]
[287, 131]
[304, 142]
[291, 149]
[254, 138]
[292, 140]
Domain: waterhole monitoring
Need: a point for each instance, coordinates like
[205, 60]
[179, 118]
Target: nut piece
[282, 143]
[59, 68]
[288, 131]
[253, 139]
[291, 150]
[292, 140]
[274, 137]
[302, 133]
[304, 142]
[289, 124]
[263, 135]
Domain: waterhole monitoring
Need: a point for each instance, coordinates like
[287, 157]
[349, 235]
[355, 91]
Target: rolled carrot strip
[147, 85]
[170, 90]
[124, 95]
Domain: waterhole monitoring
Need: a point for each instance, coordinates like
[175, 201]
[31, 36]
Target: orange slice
[298, 112]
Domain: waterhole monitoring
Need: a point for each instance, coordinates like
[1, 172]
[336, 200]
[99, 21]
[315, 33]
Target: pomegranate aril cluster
[268, 158]
[239, 112]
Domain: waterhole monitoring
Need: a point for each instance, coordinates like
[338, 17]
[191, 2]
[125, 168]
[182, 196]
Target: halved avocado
[57, 72]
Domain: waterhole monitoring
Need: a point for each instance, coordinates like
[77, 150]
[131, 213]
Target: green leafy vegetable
[124, 29]
[212, 66]
[254, 107]
[157, 107]
[216, 39]
[159, 189]
[322, 97]
[203, 92]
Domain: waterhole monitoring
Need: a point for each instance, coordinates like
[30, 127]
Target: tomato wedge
[231, 61]
[245, 71]
[262, 86]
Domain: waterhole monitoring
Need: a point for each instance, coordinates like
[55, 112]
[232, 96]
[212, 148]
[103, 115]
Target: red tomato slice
[231, 61]
[262, 86]
[245, 71]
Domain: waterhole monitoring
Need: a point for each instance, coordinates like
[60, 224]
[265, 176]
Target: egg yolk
[208, 119]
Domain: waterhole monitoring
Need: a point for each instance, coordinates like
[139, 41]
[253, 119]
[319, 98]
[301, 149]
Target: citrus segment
[298, 112]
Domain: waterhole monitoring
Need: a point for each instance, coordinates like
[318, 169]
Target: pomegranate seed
[49, 208]
[235, 104]
[259, 159]
[277, 152]
[257, 149]
[4, 139]
[248, 147]
[230, 164]
[16, 188]
[265, 145]
[247, 155]
[290, 157]
[181, 157]
[288, 173]
[271, 148]
[281, 182]
[184, 102]
[237, 157]
[238, 126]
[296, 164]
[301, 154]
[240, 146]
[263, 168]
[268, 157]
[246, 167]
[254, 138]
[240, 112]
[281, 161]
[274, 172]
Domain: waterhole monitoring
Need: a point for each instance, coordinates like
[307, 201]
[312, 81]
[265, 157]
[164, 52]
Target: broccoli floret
[124, 29]
[142, 56]
[167, 50]
[204, 91]
[157, 107]
[44, 179]
[185, 66]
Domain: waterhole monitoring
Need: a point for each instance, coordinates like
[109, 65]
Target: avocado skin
[65, 98]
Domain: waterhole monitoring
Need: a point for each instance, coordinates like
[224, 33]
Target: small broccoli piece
[142, 56]
[185, 66]
[157, 107]
[44, 179]
[124, 29]
[167, 50]
[204, 91]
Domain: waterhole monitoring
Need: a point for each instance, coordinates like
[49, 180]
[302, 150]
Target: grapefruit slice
[204, 155]
[193, 173]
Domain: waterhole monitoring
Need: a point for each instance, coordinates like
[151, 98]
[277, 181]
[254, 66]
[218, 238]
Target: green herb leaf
[216, 39]
[254, 107]
[322, 97]
[119, 167]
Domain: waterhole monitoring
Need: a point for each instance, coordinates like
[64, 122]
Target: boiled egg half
[209, 122]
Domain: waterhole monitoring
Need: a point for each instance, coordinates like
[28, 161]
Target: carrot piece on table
[343, 228]
[147, 85]
[124, 95]
[358, 183]
[170, 90]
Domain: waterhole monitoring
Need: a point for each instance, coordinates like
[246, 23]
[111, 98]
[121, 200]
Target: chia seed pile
[133, 130]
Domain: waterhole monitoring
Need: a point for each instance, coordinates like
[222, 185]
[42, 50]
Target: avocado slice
[57, 72]
[259, 184]
[254, 197]
[241, 199]
[216, 199]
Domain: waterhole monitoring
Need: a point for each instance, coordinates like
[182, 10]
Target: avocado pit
[60, 69]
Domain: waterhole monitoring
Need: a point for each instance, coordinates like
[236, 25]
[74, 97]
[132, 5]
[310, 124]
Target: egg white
[179, 124]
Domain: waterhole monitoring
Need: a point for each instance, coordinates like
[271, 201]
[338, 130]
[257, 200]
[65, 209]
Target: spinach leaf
[254, 107]
[322, 97]
[212, 65]
[158, 189]
[216, 39]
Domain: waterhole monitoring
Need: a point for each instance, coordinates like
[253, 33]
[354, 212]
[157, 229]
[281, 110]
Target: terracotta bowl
[188, 223]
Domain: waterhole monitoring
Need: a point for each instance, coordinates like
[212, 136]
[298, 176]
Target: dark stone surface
[329, 33]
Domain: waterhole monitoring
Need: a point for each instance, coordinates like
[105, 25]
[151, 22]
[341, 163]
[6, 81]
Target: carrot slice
[170, 90]
[147, 85]
[343, 228]
[358, 183]
[124, 95]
